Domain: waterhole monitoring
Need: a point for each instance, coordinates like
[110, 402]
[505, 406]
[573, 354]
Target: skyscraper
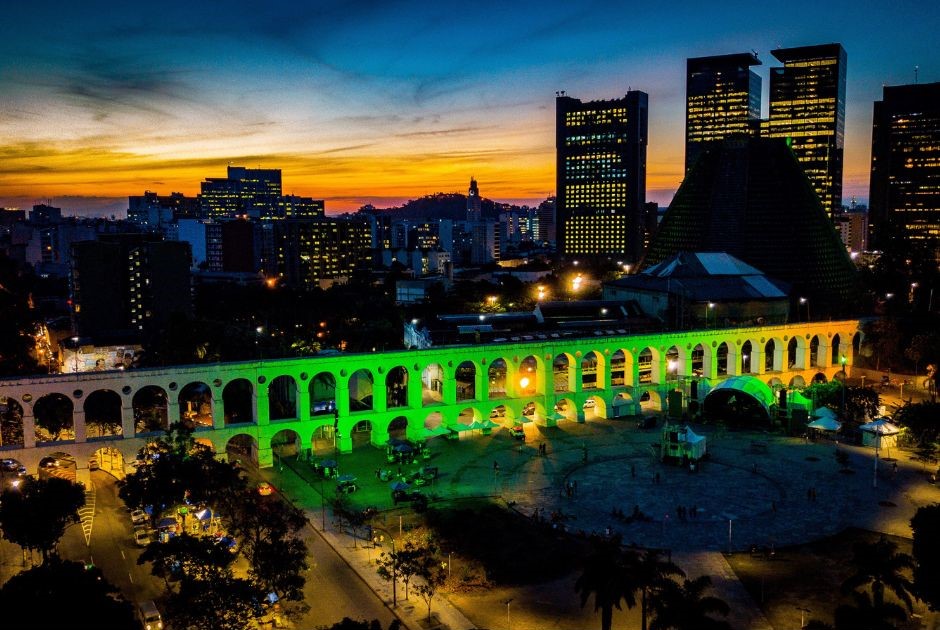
[905, 164]
[474, 203]
[601, 175]
[722, 97]
[246, 191]
[807, 107]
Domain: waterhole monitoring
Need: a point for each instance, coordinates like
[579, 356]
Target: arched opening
[468, 416]
[362, 433]
[856, 344]
[618, 369]
[396, 388]
[622, 405]
[501, 414]
[797, 382]
[819, 377]
[775, 383]
[432, 384]
[562, 375]
[496, 375]
[770, 356]
[108, 459]
[590, 372]
[282, 398]
[533, 412]
[103, 414]
[54, 421]
[398, 428]
[595, 408]
[814, 358]
[322, 394]
[746, 352]
[673, 365]
[528, 376]
[11, 422]
[466, 376]
[650, 401]
[565, 409]
[204, 443]
[150, 409]
[285, 443]
[697, 363]
[236, 402]
[740, 401]
[645, 365]
[721, 356]
[195, 401]
[242, 448]
[434, 420]
[792, 352]
[835, 355]
[323, 440]
[360, 390]
[58, 464]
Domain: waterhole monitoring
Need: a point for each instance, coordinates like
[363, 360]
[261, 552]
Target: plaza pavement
[759, 483]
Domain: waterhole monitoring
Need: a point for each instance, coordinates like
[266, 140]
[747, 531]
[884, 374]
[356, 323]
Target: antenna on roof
[916, 68]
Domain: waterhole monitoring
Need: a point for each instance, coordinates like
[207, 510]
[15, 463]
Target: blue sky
[384, 101]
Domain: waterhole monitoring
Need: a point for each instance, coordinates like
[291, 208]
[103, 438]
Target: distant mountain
[440, 206]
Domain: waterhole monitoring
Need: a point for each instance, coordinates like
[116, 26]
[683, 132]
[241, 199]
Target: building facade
[905, 165]
[722, 98]
[807, 107]
[601, 175]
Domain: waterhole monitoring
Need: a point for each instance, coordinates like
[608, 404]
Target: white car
[141, 537]
[139, 516]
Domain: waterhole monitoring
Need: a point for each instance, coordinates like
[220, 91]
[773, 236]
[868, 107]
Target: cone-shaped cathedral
[750, 198]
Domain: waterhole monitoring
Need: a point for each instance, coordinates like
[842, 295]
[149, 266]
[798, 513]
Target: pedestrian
[894, 468]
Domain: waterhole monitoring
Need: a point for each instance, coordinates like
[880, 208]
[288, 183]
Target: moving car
[141, 537]
[149, 615]
[517, 432]
[264, 488]
[139, 516]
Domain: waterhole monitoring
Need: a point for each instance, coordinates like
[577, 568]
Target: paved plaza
[755, 489]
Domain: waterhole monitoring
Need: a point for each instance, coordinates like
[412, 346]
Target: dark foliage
[926, 553]
[35, 515]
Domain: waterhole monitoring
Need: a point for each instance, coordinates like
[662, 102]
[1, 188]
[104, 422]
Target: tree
[926, 553]
[349, 624]
[65, 594]
[867, 614]
[606, 578]
[651, 571]
[880, 566]
[921, 420]
[882, 340]
[685, 607]
[35, 515]
[861, 403]
[224, 603]
[16, 321]
[432, 576]
[187, 558]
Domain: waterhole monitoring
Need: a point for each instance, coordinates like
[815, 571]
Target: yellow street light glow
[524, 382]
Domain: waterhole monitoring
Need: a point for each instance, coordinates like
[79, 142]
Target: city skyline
[384, 103]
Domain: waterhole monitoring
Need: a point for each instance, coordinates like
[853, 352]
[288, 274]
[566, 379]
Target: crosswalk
[87, 515]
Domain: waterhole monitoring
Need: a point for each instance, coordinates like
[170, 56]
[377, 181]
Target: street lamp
[708, 307]
[508, 621]
[803, 611]
[805, 301]
[541, 294]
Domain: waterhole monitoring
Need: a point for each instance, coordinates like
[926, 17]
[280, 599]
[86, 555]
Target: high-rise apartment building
[807, 107]
[905, 165]
[722, 98]
[601, 175]
[253, 192]
[310, 251]
[474, 202]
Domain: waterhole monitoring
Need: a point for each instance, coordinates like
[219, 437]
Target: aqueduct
[353, 398]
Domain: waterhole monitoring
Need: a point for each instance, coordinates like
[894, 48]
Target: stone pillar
[414, 389]
[262, 407]
[265, 457]
[78, 425]
[757, 360]
[450, 390]
[218, 412]
[29, 427]
[172, 411]
[379, 396]
[631, 373]
[604, 376]
[823, 353]
[734, 360]
[345, 441]
[660, 370]
[574, 376]
[342, 398]
[128, 425]
[481, 385]
[303, 404]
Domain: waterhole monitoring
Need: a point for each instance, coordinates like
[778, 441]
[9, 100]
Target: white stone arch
[594, 408]
[195, 404]
[361, 384]
[563, 372]
[237, 396]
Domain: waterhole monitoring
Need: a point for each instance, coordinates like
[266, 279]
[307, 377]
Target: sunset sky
[382, 101]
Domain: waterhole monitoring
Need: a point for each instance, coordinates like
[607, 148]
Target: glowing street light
[708, 307]
[541, 292]
[491, 300]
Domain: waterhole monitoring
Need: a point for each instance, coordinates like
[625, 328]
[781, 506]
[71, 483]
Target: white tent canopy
[881, 426]
[879, 433]
[825, 424]
[824, 412]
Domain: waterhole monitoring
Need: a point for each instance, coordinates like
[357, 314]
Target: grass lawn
[806, 576]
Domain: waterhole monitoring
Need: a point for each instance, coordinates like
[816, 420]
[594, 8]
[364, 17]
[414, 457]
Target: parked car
[149, 615]
[142, 537]
[13, 466]
[517, 432]
[264, 488]
[139, 516]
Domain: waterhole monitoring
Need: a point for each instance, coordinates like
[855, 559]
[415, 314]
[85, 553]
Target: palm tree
[867, 614]
[683, 606]
[881, 566]
[608, 579]
[651, 572]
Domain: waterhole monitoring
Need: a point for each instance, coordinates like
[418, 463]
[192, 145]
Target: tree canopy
[35, 515]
